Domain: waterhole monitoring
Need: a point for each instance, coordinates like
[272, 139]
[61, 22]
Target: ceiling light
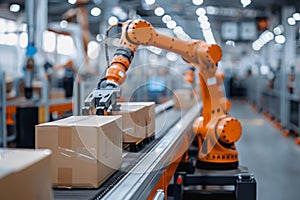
[72, 1]
[149, 2]
[270, 36]
[202, 18]
[197, 2]
[296, 16]
[113, 20]
[99, 37]
[14, 7]
[264, 69]
[166, 18]
[291, 21]
[245, 3]
[95, 11]
[178, 30]
[159, 11]
[63, 24]
[205, 25]
[256, 46]
[280, 39]
[260, 42]
[200, 11]
[208, 36]
[171, 24]
[278, 30]
[211, 10]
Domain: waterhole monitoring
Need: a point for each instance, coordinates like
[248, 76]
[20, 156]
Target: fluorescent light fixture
[209, 37]
[291, 21]
[159, 11]
[205, 25]
[256, 46]
[200, 11]
[260, 42]
[95, 11]
[178, 30]
[171, 24]
[113, 20]
[63, 24]
[280, 39]
[264, 69]
[166, 18]
[149, 2]
[203, 18]
[72, 1]
[245, 3]
[270, 36]
[14, 7]
[296, 16]
[211, 10]
[197, 2]
[278, 30]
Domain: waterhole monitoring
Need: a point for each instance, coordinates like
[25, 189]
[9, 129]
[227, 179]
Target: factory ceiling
[182, 11]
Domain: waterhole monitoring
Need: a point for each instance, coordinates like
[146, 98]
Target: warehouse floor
[273, 159]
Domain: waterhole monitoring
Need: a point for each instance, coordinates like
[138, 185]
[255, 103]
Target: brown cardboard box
[57, 93]
[134, 121]
[25, 174]
[86, 149]
[183, 98]
[150, 115]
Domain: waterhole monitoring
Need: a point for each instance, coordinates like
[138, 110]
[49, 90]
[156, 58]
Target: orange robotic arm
[215, 130]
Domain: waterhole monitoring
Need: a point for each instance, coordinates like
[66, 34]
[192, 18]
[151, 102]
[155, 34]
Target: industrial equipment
[216, 130]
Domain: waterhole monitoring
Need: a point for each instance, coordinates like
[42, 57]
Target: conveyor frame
[142, 179]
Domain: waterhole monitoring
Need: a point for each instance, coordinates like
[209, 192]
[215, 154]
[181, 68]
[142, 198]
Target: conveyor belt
[165, 120]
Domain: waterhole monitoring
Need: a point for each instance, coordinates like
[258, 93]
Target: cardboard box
[134, 119]
[25, 174]
[86, 149]
[183, 98]
[150, 115]
[57, 93]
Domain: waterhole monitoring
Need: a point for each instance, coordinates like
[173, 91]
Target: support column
[288, 59]
[3, 136]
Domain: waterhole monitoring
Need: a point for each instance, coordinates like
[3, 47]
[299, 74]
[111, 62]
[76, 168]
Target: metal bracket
[102, 99]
